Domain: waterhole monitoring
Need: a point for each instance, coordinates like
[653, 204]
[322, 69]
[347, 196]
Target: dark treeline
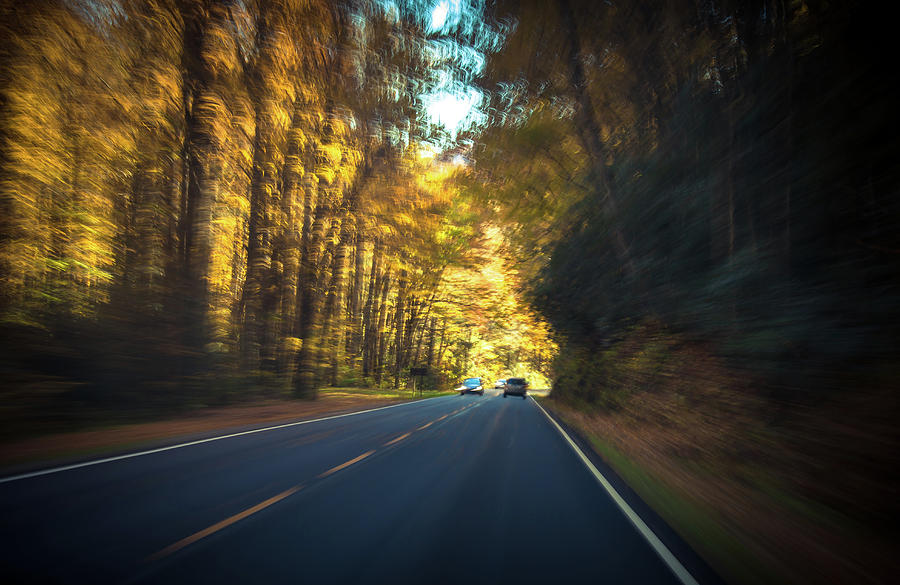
[726, 170]
[704, 183]
[206, 199]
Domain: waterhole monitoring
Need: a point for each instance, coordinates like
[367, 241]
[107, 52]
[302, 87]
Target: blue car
[472, 386]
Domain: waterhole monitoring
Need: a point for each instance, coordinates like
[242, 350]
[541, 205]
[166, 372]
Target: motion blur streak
[680, 216]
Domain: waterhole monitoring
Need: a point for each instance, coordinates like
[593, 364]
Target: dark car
[516, 387]
[472, 386]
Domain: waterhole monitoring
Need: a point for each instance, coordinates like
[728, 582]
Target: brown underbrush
[767, 493]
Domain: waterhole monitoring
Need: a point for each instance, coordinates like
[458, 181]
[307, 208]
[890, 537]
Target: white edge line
[661, 549]
[191, 443]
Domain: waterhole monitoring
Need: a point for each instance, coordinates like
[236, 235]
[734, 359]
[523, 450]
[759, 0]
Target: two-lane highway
[458, 489]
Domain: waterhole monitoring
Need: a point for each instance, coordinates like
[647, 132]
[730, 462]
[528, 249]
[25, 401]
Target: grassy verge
[698, 526]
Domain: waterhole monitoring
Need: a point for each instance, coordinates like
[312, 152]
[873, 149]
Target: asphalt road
[457, 489]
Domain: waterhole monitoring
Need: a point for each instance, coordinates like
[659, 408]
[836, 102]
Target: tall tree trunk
[380, 333]
[334, 313]
[310, 322]
[369, 311]
[356, 317]
[204, 158]
[410, 329]
[441, 346]
[291, 182]
[429, 355]
[398, 327]
[258, 259]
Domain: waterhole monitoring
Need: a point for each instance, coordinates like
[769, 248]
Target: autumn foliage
[212, 200]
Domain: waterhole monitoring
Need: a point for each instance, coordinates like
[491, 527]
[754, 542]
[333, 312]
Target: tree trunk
[204, 158]
[398, 332]
[334, 314]
[309, 301]
[258, 252]
[290, 241]
[380, 333]
[355, 316]
[370, 311]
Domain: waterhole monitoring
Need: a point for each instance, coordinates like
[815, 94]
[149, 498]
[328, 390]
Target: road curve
[457, 489]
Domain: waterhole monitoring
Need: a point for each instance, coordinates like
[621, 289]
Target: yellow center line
[425, 426]
[345, 464]
[224, 523]
[442, 418]
[398, 439]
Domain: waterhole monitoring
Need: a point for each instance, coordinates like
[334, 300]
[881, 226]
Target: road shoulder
[61, 449]
[695, 565]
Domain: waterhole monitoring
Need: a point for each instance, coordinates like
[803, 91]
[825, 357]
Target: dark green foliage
[765, 218]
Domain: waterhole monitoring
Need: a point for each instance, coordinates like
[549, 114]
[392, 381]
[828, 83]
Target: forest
[205, 201]
[683, 215]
